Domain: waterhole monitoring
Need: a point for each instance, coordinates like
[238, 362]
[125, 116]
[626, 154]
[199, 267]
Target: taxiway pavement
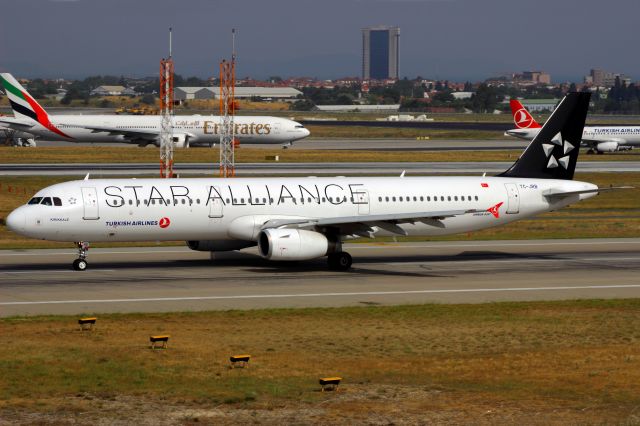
[282, 169]
[157, 279]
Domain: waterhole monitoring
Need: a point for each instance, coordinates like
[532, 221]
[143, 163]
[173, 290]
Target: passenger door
[90, 203]
[216, 207]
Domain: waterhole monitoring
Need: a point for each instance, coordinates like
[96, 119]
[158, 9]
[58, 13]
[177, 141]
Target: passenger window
[183, 201]
[198, 201]
[415, 198]
[386, 199]
[421, 198]
[449, 198]
[476, 198]
[400, 198]
[57, 201]
[394, 199]
[442, 198]
[379, 199]
[46, 201]
[35, 200]
[455, 198]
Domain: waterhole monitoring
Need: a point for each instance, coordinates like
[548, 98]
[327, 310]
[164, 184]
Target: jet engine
[607, 147]
[181, 140]
[293, 244]
[219, 245]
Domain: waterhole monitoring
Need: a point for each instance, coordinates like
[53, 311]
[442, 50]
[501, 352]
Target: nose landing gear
[80, 264]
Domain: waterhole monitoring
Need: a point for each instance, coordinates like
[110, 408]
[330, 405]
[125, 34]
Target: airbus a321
[306, 218]
[598, 139]
[188, 130]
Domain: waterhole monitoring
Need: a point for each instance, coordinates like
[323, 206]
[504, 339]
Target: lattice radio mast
[166, 110]
[227, 112]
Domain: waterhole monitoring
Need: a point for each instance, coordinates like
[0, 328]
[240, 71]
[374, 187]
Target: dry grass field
[611, 214]
[507, 363]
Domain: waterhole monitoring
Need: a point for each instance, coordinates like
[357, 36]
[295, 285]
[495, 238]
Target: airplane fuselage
[593, 135]
[235, 209]
[200, 130]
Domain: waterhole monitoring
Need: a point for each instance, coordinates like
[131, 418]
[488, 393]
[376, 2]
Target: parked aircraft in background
[307, 218]
[598, 139]
[188, 130]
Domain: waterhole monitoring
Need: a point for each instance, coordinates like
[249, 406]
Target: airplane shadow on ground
[247, 262]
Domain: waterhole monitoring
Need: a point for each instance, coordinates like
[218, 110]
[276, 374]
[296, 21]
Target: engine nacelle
[293, 244]
[181, 141]
[219, 245]
[607, 147]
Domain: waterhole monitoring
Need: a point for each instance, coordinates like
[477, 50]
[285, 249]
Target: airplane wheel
[80, 265]
[340, 261]
[590, 152]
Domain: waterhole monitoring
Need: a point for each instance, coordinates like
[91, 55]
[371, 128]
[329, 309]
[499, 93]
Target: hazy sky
[455, 39]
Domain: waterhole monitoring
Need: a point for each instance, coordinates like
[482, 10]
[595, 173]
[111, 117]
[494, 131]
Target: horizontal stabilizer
[554, 193]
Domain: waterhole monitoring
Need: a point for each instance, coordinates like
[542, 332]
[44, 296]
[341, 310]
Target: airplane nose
[16, 221]
[305, 133]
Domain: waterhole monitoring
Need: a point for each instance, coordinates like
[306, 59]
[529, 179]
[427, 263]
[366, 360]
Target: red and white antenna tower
[227, 112]
[166, 110]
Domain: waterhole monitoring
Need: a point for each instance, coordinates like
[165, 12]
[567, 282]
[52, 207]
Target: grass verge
[576, 361]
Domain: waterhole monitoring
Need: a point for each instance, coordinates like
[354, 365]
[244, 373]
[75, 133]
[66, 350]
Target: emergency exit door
[513, 196]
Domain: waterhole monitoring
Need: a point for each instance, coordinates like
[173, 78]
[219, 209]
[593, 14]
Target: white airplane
[598, 139]
[188, 130]
[305, 218]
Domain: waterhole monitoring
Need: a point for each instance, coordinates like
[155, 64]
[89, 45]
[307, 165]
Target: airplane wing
[363, 225]
[131, 135]
[16, 123]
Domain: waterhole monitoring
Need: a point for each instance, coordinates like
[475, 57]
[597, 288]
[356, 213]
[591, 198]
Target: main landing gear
[340, 261]
[80, 264]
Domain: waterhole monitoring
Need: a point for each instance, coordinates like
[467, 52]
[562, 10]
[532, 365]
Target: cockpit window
[299, 126]
[57, 201]
[35, 200]
[46, 201]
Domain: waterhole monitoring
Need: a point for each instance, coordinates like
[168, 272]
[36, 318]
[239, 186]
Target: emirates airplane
[188, 130]
[598, 139]
[303, 218]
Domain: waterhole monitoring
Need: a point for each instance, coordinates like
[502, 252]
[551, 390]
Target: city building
[380, 53]
[601, 78]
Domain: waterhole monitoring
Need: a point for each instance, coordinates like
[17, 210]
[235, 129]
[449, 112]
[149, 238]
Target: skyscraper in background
[380, 52]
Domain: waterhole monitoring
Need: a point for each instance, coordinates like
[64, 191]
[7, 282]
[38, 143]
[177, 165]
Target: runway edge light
[87, 323]
[239, 361]
[330, 383]
[160, 339]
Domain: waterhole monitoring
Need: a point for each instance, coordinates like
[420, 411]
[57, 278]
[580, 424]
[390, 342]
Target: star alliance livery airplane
[307, 218]
[188, 130]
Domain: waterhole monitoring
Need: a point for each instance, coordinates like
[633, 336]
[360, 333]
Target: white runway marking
[369, 293]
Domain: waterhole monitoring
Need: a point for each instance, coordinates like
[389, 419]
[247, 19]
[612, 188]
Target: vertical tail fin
[553, 153]
[23, 104]
[521, 117]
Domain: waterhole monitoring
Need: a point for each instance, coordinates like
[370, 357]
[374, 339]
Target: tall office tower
[380, 52]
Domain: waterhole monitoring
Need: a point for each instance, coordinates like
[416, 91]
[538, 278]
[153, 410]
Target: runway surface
[178, 279]
[281, 169]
